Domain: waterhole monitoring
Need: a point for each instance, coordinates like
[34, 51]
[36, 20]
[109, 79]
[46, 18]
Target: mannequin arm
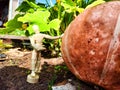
[52, 37]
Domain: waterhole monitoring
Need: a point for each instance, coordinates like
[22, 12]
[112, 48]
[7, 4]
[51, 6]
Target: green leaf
[25, 18]
[24, 7]
[30, 29]
[80, 10]
[69, 5]
[55, 24]
[6, 30]
[31, 10]
[42, 16]
[42, 26]
[37, 16]
[13, 24]
[5, 45]
[32, 4]
[95, 3]
[18, 32]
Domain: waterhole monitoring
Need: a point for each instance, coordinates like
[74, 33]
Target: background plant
[51, 20]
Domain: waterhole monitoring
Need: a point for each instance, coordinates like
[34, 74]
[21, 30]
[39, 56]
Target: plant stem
[59, 17]
[59, 10]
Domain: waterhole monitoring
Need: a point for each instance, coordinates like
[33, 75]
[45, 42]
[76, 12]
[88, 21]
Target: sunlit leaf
[18, 32]
[43, 27]
[1, 44]
[4, 45]
[30, 29]
[55, 24]
[95, 3]
[80, 10]
[69, 5]
[8, 45]
[37, 16]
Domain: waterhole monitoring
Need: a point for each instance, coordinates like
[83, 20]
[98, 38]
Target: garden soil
[15, 67]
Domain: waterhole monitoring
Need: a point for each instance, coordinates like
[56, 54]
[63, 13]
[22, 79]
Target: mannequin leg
[34, 61]
[38, 62]
[33, 77]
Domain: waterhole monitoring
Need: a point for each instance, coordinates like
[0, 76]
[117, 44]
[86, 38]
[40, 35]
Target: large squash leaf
[55, 24]
[39, 17]
[13, 24]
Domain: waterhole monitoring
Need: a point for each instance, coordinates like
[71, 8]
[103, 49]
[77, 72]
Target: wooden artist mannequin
[36, 41]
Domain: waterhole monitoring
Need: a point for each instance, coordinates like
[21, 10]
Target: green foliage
[40, 18]
[51, 20]
[5, 30]
[58, 68]
[18, 32]
[71, 6]
[85, 3]
[95, 3]
[14, 23]
[26, 6]
[51, 83]
[11, 25]
[3, 45]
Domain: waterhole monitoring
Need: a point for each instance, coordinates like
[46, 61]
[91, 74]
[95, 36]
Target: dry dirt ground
[16, 66]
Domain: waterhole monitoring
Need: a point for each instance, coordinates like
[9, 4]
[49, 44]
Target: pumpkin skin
[86, 43]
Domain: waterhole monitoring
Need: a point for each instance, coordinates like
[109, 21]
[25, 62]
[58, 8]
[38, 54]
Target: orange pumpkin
[87, 47]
